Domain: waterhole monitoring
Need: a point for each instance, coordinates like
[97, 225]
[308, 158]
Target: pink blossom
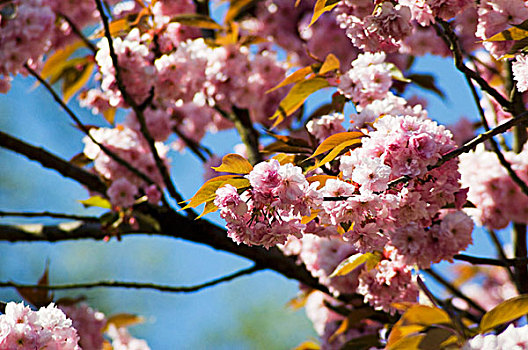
[122, 193]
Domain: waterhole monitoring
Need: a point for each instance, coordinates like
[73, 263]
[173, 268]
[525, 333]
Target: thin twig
[426, 290]
[135, 285]
[84, 129]
[79, 33]
[454, 290]
[451, 39]
[51, 161]
[49, 214]
[500, 251]
[137, 110]
[495, 147]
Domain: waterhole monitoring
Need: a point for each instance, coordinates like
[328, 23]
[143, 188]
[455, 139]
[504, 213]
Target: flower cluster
[512, 338]
[131, 147]
[47, 328]
[272, 209]
[497, 197]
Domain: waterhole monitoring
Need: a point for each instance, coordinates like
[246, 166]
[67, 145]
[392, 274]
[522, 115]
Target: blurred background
[247, 313]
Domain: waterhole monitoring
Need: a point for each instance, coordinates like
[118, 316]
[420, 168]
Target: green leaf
[234, 163]
[322, 6]
[296, 97]
[505, 312]
[353, 262]
[196, 20]
[207, 192]
[96, 201]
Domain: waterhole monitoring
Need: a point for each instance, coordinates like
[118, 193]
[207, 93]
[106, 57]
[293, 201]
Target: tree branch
[51, 215]
[135, 285]
[137, 110]
[84, 129]
[51, 161]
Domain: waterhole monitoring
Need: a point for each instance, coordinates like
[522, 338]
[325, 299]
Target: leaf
[299, 301]
[513, 33]
[321, 178]
[196, 20]
[96, 201]
[116, 26]
[397, 74]
[293, 141]
[123, 320]
[235, 8]
[362, 343]
[296, 97]
[70, 88]
[312, 216]
[295, 77]
[109, 115]
[335, 140]
[209, 208]
[284, 158]
[434, 338]
[279, 146]
[208, 190]
[322, 6]
[234, 163]
[343, 327]
[36, 296]
[506, 311]
[330, 63]
[407, 343]
[308, 345]
[353, 262]
[80, 160]
[334, 153]
[428, 82]
[55, 63]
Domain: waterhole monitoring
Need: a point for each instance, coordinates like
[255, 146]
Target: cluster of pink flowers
[272, 209]
[369, 79]
[89, 324]
[498, 199]
[392, 281]
[520, 72]
[495, 16]
[47, 328]
[512, 338]
[132, 147]
[25, 37]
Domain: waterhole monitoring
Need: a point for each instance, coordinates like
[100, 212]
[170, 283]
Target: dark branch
[137, 110]
[135, 285]
[49, 160]
[51, 215]
[79, 33]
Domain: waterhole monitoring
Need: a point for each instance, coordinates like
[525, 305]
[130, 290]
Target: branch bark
[51, 161]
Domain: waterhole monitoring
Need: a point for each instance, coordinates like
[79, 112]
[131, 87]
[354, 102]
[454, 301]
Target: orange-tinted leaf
[208, 190]
[321, 178]
[353, 262]
[56, 62]
[506, 311]
[235, 8]
[296, 97]
[295, 77]
[407, 343]
[308, 345]
[335, 140]
[209, 208]
[284, 158]
[96, 201]
[322, 6]
[36, 296]
[334, 153]
[196, 20]
[307, 219]
[123, 320]
[331, 63]
[512, 33]
[343, 327]
[234, 163]
[70, 88]
[109, 115]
